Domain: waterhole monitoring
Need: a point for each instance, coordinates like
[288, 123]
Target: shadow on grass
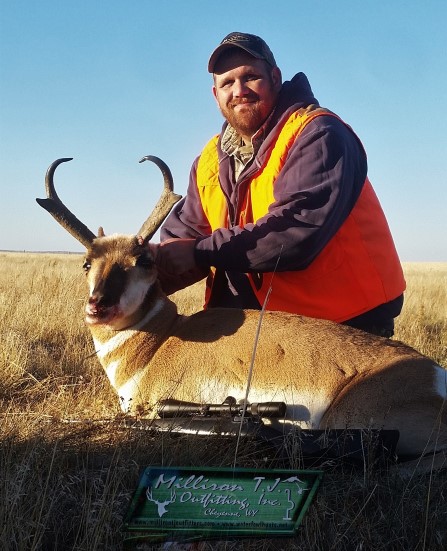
[68, 486]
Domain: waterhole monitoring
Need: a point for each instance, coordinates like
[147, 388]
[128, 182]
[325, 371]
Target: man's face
[246, 90]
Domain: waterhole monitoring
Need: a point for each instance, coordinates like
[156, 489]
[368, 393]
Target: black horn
[60, 212]
[167, 200]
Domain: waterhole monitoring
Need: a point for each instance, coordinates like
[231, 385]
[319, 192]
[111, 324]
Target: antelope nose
[95, 298]
[93, 306]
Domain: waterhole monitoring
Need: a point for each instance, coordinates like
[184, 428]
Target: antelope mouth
[101, 315]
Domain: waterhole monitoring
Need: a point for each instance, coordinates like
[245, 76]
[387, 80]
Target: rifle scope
[178, 408]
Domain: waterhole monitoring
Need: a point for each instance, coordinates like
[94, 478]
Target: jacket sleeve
[314, 193]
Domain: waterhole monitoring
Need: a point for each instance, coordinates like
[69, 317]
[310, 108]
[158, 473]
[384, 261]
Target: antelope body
[329, 375]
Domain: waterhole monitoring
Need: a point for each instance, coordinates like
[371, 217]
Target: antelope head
[120, 268]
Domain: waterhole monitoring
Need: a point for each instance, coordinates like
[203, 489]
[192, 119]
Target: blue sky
[107, 82]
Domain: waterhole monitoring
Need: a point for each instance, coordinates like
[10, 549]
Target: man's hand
[176, 264]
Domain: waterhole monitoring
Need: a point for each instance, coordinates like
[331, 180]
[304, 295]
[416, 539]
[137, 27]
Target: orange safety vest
[356, 271]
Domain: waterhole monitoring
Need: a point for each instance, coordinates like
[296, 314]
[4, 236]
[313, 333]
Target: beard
[247, 118]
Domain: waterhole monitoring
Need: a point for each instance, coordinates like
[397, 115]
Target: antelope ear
[101, 232]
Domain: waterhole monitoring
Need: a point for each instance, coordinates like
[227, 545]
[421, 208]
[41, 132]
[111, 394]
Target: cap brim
[222, 47]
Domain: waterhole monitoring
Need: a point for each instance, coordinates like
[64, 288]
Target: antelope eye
[86, 266]
[144, 261]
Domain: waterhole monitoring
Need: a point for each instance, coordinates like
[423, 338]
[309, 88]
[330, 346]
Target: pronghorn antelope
[329, 375]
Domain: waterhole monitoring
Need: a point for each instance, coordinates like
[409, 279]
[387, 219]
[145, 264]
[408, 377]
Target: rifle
[231, 418]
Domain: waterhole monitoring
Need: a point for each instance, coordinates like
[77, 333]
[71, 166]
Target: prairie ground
[69, 465]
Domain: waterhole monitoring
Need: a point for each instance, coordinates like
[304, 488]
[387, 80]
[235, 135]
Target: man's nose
[240, 88]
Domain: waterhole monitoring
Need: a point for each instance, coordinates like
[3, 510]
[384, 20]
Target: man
[279, 209]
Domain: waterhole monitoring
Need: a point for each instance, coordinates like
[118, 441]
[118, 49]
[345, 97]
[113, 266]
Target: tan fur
[328, 374]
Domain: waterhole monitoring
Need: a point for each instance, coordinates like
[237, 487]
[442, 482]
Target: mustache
[241, 101]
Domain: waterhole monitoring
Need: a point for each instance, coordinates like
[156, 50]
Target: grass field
[69, 466]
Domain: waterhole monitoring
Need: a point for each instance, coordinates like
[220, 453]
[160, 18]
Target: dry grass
[68, 465]
[423, 323]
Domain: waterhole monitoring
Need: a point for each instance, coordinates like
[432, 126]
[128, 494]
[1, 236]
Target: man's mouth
[241, 106]
[243, 102]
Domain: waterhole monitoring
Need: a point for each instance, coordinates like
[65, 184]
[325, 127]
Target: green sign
[187, 503]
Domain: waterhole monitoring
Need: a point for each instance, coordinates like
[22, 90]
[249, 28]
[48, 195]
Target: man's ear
[214, 90]
[277, 78]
